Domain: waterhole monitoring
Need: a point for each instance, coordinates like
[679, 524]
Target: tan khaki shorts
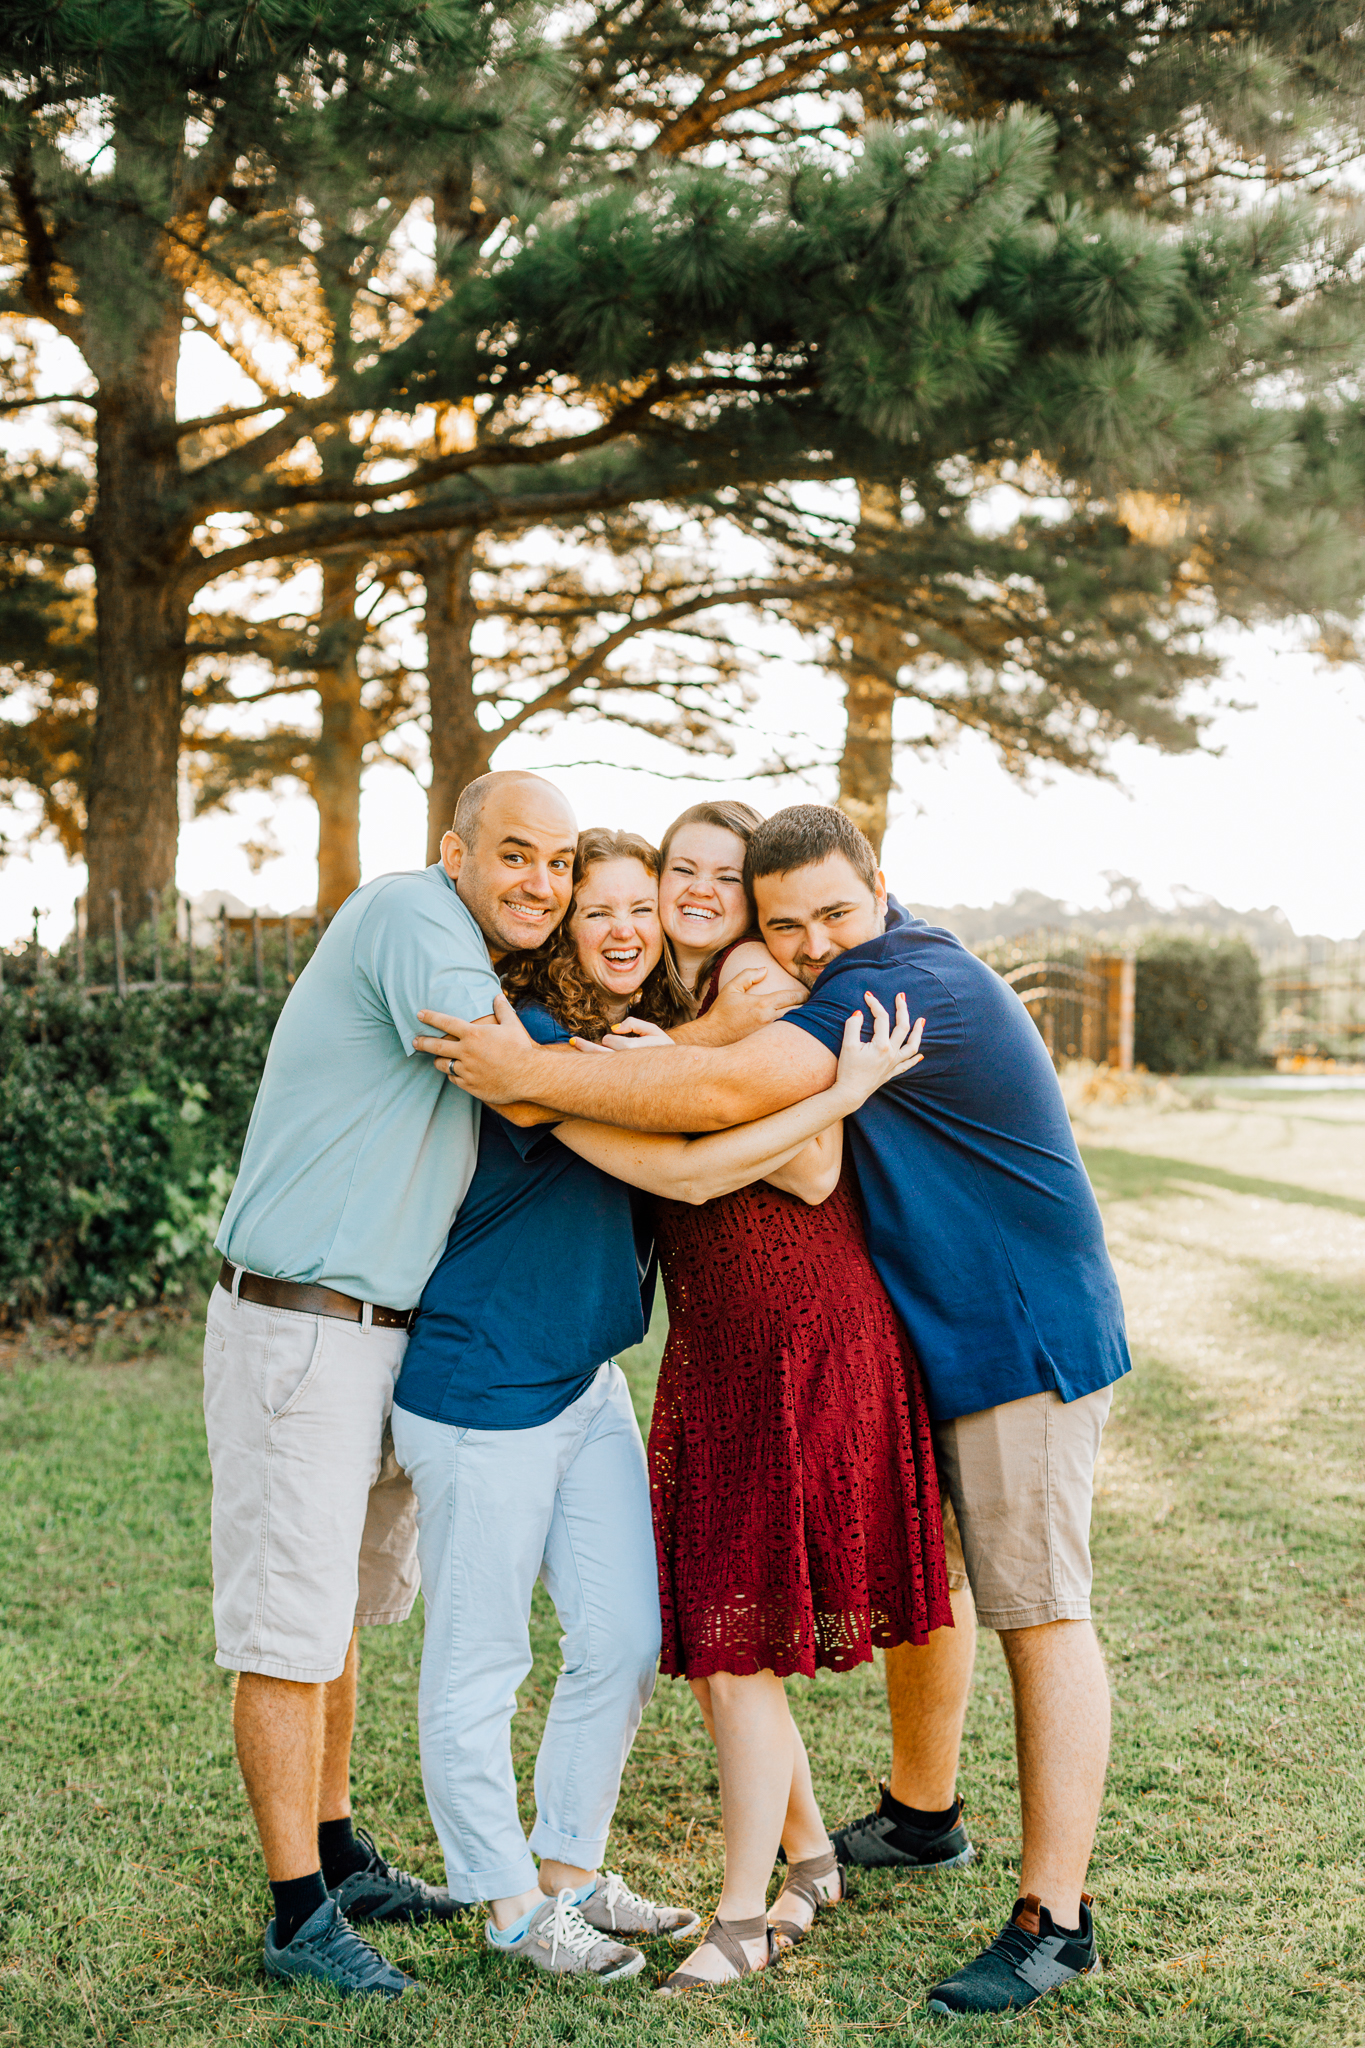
[1017, 1483]
[314, 1522]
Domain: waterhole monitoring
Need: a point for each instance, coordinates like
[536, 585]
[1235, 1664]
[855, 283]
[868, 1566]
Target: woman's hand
[633, 1032]
[627, 1035]
[868, 1064]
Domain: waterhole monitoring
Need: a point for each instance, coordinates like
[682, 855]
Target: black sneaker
[379, 1892]
[878, 1842]
[326, 1951]
[1027, 1958]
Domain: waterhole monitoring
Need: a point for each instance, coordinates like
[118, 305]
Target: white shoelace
[569, 1930]
[614, 1891]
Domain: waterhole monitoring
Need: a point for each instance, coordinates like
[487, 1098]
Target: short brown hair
[804, 835]
[553, 976]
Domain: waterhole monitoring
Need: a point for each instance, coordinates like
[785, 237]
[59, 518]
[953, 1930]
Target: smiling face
[702, 904]
[810, 915]
[516, 877]
[615, 928]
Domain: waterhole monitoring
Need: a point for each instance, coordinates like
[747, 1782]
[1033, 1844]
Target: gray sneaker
[379, 1892]
[879, 1842]
[560, 1940]
[327, 1951]
[615, 1909]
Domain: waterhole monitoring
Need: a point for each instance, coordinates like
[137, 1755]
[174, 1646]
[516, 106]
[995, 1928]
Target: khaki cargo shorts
[314, 1523]
[1017, 1483]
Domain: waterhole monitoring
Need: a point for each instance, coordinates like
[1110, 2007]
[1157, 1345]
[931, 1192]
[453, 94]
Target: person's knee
[736, 1690]
[1054, 1659]
[623, 1657]
[638, 1661]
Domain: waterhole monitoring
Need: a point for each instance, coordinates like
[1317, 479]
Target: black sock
[915, 1817]
[296, 1900]
[339, 1852]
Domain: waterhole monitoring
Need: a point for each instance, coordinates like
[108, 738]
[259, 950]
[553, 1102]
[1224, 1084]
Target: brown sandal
[726, 1935]
[801, 1882]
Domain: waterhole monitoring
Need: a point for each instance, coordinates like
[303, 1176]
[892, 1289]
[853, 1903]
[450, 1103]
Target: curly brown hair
[552, 975]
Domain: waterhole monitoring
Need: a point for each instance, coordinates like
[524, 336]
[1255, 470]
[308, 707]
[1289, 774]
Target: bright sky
[1276, 817]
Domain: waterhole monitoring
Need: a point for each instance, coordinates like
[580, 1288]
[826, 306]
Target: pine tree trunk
[865, 767]
[340, 752]
[875, 654]
[133, 823]
[460, 748]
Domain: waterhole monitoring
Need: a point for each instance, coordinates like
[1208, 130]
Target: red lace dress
[796, 1507]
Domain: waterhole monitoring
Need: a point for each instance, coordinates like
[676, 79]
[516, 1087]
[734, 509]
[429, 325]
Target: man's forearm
[672, 1090]
[708, 1030]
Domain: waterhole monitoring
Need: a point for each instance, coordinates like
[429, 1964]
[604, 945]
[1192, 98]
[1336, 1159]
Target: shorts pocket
[290, 1363]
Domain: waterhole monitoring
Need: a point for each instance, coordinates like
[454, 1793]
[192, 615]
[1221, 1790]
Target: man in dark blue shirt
[986, 1234]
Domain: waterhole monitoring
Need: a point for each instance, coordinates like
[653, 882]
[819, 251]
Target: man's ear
[452, 853]
[878, 890]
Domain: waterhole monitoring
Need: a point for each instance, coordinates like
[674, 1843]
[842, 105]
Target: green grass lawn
[1230, 1868]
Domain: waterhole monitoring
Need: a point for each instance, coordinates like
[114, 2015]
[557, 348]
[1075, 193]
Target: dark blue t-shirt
[980, 1218]
[544, 1276]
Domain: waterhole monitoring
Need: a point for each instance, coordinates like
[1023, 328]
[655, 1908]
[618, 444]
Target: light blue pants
[567, 1503]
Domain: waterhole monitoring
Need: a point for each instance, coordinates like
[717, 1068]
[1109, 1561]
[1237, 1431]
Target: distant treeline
[1129, 918]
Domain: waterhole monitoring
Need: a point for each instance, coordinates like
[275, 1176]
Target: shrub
[1198, 1005]
[120, 1129]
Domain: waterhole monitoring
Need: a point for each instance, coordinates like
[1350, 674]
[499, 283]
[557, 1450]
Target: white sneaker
[560, 1940]
[616, 1909]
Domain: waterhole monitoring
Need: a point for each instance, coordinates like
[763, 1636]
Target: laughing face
[615, 928]
[702, 903]
[516, 877]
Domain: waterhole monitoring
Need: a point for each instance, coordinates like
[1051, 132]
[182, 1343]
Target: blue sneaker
[327, 1951]
[1027, 1958]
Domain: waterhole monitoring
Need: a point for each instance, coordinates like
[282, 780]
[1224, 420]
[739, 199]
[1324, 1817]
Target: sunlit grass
[1230, 1867]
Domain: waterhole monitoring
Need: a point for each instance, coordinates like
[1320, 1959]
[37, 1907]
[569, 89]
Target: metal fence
[1312, 996]
[267, 952]
[1081, 1000]
[1313, 999]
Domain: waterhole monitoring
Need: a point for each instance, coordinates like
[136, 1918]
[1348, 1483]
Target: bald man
[356, 1161]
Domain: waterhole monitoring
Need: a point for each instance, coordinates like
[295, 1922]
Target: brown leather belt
[310, 1301]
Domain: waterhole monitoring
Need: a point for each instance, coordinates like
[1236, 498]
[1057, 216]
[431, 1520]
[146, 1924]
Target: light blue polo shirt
[359, 1152]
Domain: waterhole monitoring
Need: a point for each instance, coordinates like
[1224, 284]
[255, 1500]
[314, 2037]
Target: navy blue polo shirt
[543, 1277]
[980, 1218]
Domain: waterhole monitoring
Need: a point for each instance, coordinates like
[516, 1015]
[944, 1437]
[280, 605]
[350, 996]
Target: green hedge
[1198, 1005]
[121, 1125]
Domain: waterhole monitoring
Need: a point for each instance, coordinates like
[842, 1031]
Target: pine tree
[47, 667]
[933, 301]
[150, 158]
[1161, 112]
